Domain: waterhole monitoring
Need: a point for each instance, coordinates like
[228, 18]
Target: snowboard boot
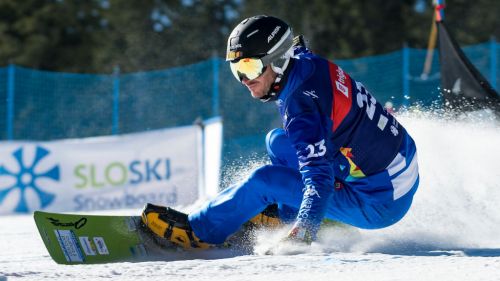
[267, 218]
[244, 239]
[172, 225]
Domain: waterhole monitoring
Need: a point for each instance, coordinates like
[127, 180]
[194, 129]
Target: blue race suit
[340, 156]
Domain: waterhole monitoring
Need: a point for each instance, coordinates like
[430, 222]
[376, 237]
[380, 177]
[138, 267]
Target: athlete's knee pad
[280, 150]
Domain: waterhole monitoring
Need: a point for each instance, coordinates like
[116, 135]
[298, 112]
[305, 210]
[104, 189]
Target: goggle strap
[280, 69]
[278, 50]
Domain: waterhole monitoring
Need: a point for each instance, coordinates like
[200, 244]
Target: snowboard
[93, 239]
[96, 239]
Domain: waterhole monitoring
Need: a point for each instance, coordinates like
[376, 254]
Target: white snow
[452, 231]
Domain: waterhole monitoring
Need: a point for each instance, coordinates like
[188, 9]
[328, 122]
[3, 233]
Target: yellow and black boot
[244, 238]
[268, 218]
[171, 225]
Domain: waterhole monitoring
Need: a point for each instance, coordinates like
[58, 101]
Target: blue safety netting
[41, 105]
[3, 105]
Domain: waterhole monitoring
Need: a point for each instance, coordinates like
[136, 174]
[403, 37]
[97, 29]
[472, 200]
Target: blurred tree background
[94, 36]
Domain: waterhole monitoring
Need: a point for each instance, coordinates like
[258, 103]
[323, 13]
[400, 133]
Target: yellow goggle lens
[249, 68]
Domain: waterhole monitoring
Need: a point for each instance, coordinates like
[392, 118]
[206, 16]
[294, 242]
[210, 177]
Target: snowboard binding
[171, 225]
[268, 218]
[168, 225]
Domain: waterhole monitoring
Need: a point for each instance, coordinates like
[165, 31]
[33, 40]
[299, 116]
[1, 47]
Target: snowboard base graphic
[91, 239]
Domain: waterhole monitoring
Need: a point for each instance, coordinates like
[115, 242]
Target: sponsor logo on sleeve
[310, 93]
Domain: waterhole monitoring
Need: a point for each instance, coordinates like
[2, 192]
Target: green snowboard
[90, 239]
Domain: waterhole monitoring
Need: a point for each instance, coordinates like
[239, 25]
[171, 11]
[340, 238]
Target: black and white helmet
[265, 38]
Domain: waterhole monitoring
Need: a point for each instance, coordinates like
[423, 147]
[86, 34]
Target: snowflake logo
[26, 179]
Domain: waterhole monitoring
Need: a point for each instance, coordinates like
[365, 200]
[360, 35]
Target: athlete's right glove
[300, 234]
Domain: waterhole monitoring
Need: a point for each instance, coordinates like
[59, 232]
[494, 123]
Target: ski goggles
[249, 68]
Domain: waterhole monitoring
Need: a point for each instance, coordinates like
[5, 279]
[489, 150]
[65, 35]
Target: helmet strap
[274, 89]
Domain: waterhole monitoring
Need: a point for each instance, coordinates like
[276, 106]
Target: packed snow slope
[452, 231]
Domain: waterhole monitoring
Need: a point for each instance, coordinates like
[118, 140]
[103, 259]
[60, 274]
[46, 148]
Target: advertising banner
[115, 172]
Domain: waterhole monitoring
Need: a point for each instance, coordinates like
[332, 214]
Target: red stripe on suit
[342, 94]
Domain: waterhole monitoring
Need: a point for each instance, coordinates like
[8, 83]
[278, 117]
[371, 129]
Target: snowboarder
[339, 155]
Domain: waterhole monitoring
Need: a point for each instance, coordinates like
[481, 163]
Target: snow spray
[456, 205]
